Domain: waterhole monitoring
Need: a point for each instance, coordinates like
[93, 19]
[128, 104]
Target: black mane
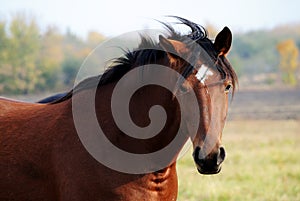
[148, 52]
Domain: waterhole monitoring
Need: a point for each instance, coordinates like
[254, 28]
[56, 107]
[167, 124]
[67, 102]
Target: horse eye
[228, 87]
[183, 89]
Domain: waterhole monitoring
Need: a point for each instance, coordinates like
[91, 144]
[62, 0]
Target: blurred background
[43, 44]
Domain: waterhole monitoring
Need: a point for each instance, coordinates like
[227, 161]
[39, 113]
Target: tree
[32, 61]
[70, 67]
[22, 74]
[94, 38]
[289, 53]
[3, 56]
[51, 57]
[75, 51]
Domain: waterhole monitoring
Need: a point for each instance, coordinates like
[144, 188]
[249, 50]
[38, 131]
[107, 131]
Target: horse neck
[139, 107]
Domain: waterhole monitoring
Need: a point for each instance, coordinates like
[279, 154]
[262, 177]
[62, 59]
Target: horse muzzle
[211, 163]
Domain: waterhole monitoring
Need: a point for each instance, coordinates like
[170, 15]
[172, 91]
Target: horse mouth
[210, 171]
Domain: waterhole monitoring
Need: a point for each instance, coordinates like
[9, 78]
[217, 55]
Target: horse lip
[209, 172]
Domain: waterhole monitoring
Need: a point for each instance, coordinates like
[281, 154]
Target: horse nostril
[197, 156]
[221, 155]
[196, 152]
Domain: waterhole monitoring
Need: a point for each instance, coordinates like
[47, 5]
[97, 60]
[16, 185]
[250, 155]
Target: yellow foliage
[94, 38]
[289, 54]
[51, 54]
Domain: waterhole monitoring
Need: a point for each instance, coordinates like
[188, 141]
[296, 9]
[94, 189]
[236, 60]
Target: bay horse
[44, 158]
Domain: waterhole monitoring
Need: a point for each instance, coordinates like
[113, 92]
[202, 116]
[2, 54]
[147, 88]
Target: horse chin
[209, 172]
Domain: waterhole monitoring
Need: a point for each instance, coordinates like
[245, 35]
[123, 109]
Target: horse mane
[149, 52]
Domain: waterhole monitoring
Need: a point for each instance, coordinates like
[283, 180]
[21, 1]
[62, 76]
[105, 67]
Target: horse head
[210, 79]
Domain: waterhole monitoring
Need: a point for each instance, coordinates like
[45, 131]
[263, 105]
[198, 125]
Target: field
[275, 104]
[262, 163]
[262, 141]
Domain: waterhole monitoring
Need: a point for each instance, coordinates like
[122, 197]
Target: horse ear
[223, 41]
[172, 47]
[166, 44]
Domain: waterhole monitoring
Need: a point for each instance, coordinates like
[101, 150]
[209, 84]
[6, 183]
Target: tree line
[268, 51]
[32, 60]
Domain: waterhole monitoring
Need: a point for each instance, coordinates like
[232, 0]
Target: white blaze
[203, 73]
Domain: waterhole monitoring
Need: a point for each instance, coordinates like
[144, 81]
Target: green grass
[262, 164]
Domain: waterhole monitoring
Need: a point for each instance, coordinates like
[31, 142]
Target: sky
[113, 18]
